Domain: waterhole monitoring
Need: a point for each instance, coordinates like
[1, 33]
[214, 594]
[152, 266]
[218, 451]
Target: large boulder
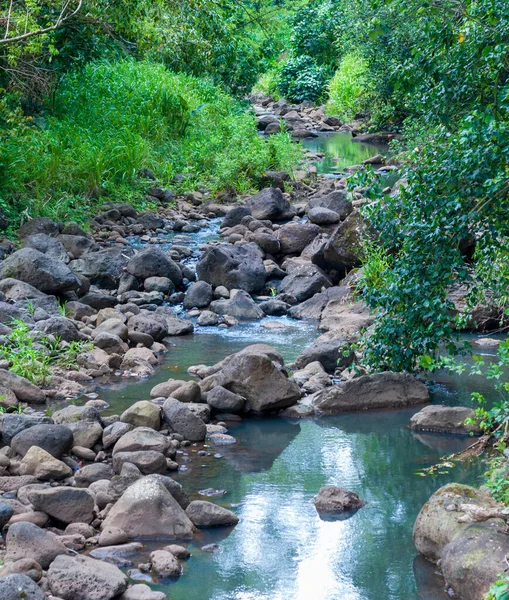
[313, 307]
[380, 390]
[147, 508]
[84, 578]
[66, 504]
[199, 295]
[445, 419]
[42, 465]
[102, 268]
[43, 272]
[234, 216]
[24, 390]
[304, 281]
[181, 420]
[142, 414]
[294, 237]
[344, 251]
[436, 525]
[77, 245]
[39, 225]
[345, 318]
[141, 439]
[270, 204]
[327, 350]
[240, 305]
[60, 327]
[12, 424]
[206, 514]
[26, 540]
[475, 559]
[332, 498]
[49, 246]
[26, 295]
[17, 586]
[147, 461]
[55, 439]
[152, 262]
[336, 201]
[224, 401]
[152, 325]
[238, 266]
[257, 379]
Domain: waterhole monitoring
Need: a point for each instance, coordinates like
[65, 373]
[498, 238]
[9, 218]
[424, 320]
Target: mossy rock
[436, 526]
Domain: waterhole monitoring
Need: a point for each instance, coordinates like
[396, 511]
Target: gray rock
[73, 414]
[60, 327]
[55, 439]
[238, 266]
[189, 391]
[322, 216]
[165, 564]
[49, 246]
[84, 578]
[143, 414]
[304, 281]
[141, 591]
[86, 433]
[343, 251]
[147, 461]
[24, 390]
[66, 504]
[152, 325]
[77, 245]
[179, 327]
[222, 400]
[274, 308]
[91, 473]
[43, 272]
[11, 425]
[152, 262]
[332, 498]
[159, 284]
[234, 216]
[102, 268]
[142, 439]
[207, 319]
[26, 540]
[270, 204]
[444, 419]
[259, 381]
[381, 390]
[114, 432]
[199, 295]
[327, 350]
[336, 201]
[240, 306]
[148, 509]
[6, 513]
[181, 420]
[18, 586]
[39, 225]
[294, 237]
[206, 514]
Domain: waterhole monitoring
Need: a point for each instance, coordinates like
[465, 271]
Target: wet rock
[240, 305]
[152, 262]
[66, 504]
[6, 513]
[304, 281]
[259, 381]
[181, 420]
[178, 551]
[112, 536]
[142, 414]
[270, 204]
[43, 272]
[274, 308]
[43, 465]
[199, 295]
[294, 237]
[17, 585]
[331, 498]
[206, 514]
[207, 319]
[189, 391]
[26, 540]
[444, 419]
[436, 525]
[141, 591]
[148, 509]
[24, 390]
[381, 390]
[222, 400]
[475, 559]
[237, 266]
[165, 564]
[313, 307]
[83, 578]
[179, 327]
[166, 388]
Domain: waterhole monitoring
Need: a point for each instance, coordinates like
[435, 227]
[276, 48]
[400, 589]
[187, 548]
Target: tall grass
[108, 121]
[348, 88]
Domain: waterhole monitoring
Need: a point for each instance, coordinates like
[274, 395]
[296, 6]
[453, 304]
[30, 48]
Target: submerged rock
[207, 514]
[332, 498]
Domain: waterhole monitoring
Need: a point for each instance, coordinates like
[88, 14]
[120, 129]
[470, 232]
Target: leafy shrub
[267, 83]
[348, 87]
[302, 79]
[110, 120]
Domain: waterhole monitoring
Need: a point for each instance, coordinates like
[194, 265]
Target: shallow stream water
[281, 549]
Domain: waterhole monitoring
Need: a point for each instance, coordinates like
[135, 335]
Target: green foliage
[267, 83]
[110, 120]
[347, 89]
[32, 354]
[315, 30]
[302, 79]
[499, 590]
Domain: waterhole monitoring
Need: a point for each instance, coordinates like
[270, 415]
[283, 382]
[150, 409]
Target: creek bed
[281, 549]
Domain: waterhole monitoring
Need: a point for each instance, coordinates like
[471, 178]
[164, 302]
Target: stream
[281, 549]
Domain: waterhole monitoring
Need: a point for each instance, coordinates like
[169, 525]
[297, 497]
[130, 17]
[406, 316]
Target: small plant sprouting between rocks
[32, 354]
